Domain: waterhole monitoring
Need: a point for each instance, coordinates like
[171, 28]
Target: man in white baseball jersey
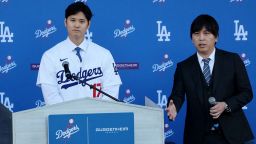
[87, 61]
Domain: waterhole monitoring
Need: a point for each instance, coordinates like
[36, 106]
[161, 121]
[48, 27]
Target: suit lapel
[196, 76]
[216, 72]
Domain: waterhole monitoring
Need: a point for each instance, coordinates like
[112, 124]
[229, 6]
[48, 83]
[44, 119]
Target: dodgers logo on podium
[67, 129]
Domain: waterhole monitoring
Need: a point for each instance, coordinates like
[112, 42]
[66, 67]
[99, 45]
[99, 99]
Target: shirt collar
[83, 45]
[211, 56]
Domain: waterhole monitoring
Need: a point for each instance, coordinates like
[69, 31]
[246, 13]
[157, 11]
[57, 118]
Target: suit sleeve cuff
[227, 108]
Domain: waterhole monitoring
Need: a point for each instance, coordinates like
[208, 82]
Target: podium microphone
[68, 75]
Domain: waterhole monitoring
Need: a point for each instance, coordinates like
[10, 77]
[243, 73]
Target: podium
[31, 126]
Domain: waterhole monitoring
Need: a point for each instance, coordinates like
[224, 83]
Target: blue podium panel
[111, 128]
[67, 129]
[114, 128]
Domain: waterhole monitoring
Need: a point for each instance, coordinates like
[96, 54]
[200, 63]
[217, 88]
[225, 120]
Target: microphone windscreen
[65, 63]
[212, 100]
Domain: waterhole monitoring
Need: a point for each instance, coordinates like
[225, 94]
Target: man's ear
[65, 22]
[89, 23]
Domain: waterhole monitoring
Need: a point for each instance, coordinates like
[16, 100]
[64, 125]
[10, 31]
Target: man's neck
[78, 41]
[207, 54]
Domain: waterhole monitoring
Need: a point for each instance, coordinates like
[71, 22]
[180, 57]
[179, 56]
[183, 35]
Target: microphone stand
[92, 87]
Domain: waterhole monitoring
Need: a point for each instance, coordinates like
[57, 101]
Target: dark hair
[207, 22]
[77, 7]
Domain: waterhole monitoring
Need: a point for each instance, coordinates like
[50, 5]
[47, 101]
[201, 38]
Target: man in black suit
[5, 125]
[216, 86]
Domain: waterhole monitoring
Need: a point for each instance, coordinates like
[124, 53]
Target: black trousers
[215, 137]
[218, 138]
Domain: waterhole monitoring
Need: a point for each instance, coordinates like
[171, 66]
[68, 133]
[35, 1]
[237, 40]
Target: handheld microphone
[68, 75]
[212, 101]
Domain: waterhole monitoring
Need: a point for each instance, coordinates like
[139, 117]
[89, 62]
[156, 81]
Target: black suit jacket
[230, 84]
[5, 125]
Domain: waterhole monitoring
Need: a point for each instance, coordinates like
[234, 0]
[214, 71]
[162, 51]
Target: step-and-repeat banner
[147, 39]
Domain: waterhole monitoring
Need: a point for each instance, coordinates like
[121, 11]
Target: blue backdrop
[147, 38]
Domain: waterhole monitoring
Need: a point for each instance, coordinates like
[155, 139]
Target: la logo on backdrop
[5, 34]
[114, 128]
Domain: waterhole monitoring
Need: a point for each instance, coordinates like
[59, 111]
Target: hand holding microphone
[217, 107]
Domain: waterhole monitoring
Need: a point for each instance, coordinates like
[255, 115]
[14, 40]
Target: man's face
[204, 41]
[77, 26]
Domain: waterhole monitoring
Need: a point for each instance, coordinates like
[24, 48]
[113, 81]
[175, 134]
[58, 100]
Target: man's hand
[171, 111]
[217, 109]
